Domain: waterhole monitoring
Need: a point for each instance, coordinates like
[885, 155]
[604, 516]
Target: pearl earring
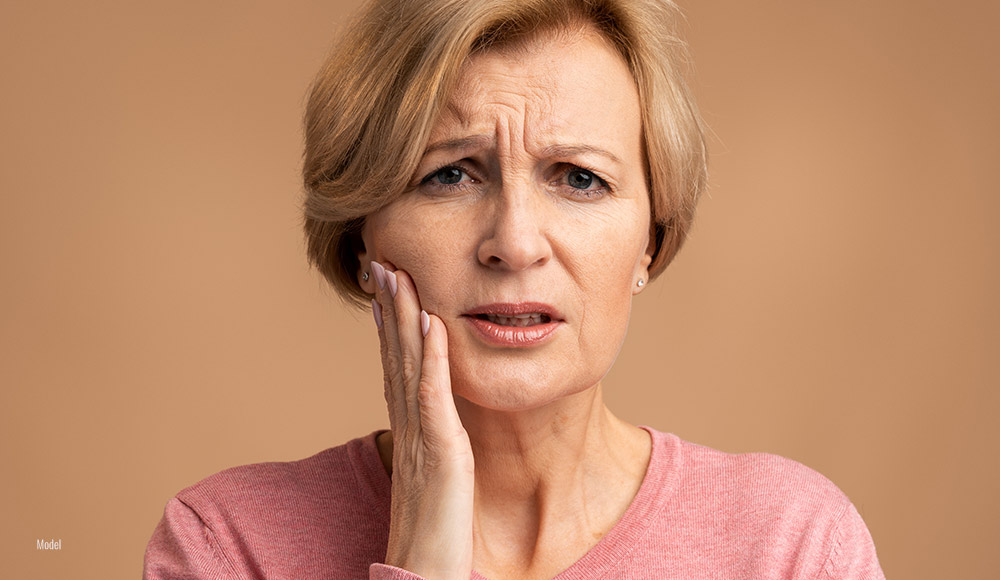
[640, 283]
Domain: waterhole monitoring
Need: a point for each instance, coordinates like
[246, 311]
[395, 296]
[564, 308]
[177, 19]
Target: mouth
[516, 314]
[522, 324]
[520, 320]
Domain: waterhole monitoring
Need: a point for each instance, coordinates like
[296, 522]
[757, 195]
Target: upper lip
[513, 309]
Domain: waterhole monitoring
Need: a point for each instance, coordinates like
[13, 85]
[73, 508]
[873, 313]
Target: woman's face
[531, 190]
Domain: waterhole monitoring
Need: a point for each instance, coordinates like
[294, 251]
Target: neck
[566, 469]
[549, 482]
[521, 453]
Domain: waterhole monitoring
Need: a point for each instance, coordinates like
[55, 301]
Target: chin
[514, 386]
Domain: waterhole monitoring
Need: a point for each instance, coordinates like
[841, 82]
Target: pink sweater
[699, 513]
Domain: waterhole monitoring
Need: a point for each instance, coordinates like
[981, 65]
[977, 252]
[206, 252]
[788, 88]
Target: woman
[499, 179]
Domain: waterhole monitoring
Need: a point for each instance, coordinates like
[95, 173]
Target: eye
[584, 183]
[580, 178]
[446, 176]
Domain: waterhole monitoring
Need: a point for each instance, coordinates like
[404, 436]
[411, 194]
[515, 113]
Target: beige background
[836, 303]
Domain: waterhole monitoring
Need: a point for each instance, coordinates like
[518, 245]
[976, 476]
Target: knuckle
[438, 356]
[388, 309]
[410, 366]
[390, 363]
[426, 393]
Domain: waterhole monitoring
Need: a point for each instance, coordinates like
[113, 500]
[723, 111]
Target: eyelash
[603, 189]
[459, 186]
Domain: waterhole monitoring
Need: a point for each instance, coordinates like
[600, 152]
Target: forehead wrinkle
[453, 111]
[460, 144]
[522, 126]
[494, 95]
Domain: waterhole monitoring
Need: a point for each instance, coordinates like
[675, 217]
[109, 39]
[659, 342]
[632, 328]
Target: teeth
[516, 320]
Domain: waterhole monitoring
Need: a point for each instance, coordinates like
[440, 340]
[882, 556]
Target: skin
[507, 460]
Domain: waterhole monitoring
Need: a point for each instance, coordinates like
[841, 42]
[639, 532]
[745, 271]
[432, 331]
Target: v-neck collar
[657, 485]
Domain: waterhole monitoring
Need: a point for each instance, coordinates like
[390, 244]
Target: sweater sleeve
[852, 552]
[183, 547]
[386, 572]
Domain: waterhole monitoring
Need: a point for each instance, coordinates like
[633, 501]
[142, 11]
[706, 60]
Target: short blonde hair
[374, 102]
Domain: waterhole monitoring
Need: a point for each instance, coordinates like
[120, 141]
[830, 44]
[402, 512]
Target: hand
[430, 530]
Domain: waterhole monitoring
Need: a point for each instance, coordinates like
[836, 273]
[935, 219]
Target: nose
[516, 230]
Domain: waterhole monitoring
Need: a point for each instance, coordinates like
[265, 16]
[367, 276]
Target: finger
[439, 418]
[394, 390]
[394, 405]
[411, 339]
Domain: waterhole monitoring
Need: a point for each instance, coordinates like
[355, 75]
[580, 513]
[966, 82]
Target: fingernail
[379, 274]
[425, 322]
[377, 313]
[393, 285]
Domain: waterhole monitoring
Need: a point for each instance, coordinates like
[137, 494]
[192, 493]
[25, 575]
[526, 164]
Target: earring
[640, 283]
[364, 276]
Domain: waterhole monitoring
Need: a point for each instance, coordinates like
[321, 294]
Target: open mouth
[518, 320]
[515, 325]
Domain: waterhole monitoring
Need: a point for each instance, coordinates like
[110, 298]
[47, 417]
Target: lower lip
[513, 336]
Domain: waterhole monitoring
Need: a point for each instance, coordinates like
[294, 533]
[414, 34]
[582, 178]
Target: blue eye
[448, 175]
[448, 180]
[582, 183]
[580, 178]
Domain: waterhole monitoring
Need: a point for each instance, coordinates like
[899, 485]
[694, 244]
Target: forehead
[556, 86]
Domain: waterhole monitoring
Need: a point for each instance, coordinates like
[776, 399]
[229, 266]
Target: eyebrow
[480, 141]
[461, 144]
[571, 150]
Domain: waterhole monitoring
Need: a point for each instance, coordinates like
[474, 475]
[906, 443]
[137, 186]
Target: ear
[652, 246]
[647, 258]
[364, 249]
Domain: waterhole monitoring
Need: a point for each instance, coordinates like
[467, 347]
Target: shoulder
[766, 482]
[768, 514]
[343, 481]
[326, 514]
[320, 478]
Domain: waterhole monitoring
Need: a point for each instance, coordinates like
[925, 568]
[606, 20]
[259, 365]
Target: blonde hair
[374, 102]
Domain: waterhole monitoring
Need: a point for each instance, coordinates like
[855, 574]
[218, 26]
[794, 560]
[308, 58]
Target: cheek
[427, 249]
[605, 254]
[606, 275]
